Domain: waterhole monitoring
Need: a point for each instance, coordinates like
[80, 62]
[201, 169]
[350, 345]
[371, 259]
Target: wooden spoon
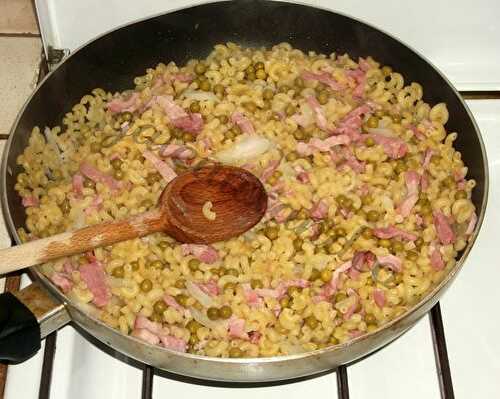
[238, 197]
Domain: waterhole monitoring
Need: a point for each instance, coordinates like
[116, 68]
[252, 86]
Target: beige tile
[17, 16]
[19, 61]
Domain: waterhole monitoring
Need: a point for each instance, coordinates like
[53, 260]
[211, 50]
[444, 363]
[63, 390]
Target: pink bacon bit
[391, 261]
[318, 112]
[146, 336]
[204, 253]
[362, 258]
[472, 224]
[165, 171]
[192, 123]
[352, 309]
[324, 78]
[302, 175]
[170, 301]
[176, 151]
[183, 77]
[173, 343]
[255, 337]
[316, 144]
[210, 288]
[269, 170]
[436, 259]
[94, 277]
[30, 201]
[394, 147]
[412, 180]
[94, 206]
[319, 210]
[97, 176]
[143, 323]
[379, 297]
[62, 281]
[242, 122]
[237, 328]
[120, 104]
[393, 232]
[359, 77]
[352, 161]
[77, 185]
[443, 228]
[427, 158]
[251, 296]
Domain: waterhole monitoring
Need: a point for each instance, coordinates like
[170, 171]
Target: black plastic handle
[19, 330]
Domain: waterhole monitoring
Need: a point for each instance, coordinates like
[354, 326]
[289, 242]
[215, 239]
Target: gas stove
[452, 352]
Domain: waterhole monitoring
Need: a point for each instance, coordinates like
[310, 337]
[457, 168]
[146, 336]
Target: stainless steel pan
[112, 60]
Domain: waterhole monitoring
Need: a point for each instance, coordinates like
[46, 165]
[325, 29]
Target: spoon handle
[78, 241]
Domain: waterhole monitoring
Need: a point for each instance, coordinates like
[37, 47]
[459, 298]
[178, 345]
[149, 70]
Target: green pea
[397, 246]
[400, 167]
[448, 182]
[134, 265]
[200, 68]
[332, 247]
[419, 242]
[235, 352]
[95, 147]
[250, 76]
[370, 318]
[225, 312]
[369, 142]
[118, 272]
[152, 178]
[87, 183]
[213, 313]
[256, 283]
[384, 243]
[326, 275]
[268, 94]
[223, 119]
[323, 97]
[157, 264]
[340, 231]
[311, 322]
[259, 65]
[284, 89]
[159, 306]
[333, 340]
[372, 122]
[118, 174]
[396, 118]
[205, 85]
[272, 232]
[372, 216]
[299, 82]
[315, 275]
[367, 233]
[290, 110]
[367, 199]
[340, 297]
[116, 163]
[163, 245]
[188, 137]
[292, 156]
[386, 70]
[180, 284]
[461, 194]
[195, 106]
[108, 141]
[303, 214]
[285, 301]
[299, 134]
[181, 299]
[261, 74]
[194, 265]
[157, 318]
[230, 134]
[146, 285]
[219, 89]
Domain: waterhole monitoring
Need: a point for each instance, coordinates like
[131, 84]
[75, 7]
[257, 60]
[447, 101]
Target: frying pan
[111, 61]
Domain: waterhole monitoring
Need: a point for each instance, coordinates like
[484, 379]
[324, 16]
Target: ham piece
[94, 277]
[443, 229]
[412, 180]
[393, 232]
[204, 253]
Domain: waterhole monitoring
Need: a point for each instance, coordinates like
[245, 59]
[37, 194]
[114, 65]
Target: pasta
[368, 208]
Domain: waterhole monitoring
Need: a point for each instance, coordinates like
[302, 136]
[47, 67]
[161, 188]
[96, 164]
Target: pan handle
[27, 316]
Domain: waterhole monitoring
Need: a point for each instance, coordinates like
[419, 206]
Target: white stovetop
[404, 369]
